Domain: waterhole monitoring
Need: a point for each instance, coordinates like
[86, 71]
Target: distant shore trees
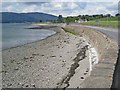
[60, 19]
[117, 15]
[82, 18]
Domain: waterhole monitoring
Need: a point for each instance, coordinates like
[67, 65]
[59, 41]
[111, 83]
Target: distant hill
[11, 17]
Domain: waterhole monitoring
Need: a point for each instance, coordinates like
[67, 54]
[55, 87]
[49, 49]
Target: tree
[108, 15]
[79, 16]
[40, 20]
[117, 15]
[101, 15]
[60, 19]
[83, 17]
[68, 20]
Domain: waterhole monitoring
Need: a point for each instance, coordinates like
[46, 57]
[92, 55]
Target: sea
[16, 34]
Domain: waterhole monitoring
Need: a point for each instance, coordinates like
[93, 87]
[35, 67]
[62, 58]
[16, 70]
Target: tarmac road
[112, 32]
[109, 31]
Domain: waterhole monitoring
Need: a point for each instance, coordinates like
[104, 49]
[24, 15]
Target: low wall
[102, 74]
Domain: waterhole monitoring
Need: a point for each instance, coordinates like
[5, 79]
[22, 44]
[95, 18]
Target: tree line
[70, 19]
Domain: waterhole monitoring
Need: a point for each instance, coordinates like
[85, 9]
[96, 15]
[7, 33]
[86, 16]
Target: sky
[62, 7]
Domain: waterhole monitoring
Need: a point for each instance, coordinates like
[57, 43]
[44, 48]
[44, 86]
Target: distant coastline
[12, 17]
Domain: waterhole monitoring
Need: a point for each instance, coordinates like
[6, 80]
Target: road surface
[113, 33]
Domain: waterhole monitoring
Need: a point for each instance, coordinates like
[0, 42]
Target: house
[81, 20]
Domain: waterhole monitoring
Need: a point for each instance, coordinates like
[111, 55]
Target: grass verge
[69, 31]
[101, 23]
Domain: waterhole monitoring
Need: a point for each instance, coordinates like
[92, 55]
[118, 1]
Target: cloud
[98, 8]
[34, 3]
[60, 0]
[64, 8]
[113, 6]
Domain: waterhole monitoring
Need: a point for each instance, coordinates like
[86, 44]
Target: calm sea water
[15, 34]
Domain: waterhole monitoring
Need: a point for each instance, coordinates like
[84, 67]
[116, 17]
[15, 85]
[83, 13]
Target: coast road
[109, 31]
[112, 32]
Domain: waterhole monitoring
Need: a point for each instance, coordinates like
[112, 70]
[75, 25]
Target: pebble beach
[58, 61]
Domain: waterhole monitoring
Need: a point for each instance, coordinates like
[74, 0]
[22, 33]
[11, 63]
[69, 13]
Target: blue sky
[72, 8]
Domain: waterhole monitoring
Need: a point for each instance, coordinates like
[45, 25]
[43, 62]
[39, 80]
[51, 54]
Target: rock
[33, 85]
[16, 69]
[27, 86]
[53, 56]
[26, 58]
[82, 77]
[85, 73]
[9, 84]
[87, 70]
[42, 55]
[34, 54]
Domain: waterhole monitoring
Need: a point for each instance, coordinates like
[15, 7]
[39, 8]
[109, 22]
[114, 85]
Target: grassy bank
[109, 19]
[69, 31]
[101, 23]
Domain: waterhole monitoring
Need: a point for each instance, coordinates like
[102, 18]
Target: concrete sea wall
[102, 74]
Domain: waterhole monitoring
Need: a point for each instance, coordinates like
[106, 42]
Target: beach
[58, 61]
[60, 45]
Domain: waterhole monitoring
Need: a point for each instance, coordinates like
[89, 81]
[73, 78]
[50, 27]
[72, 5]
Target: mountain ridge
[12, 17]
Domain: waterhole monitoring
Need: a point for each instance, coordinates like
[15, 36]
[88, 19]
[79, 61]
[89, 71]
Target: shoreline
[28, 43]
[63, 55]
[63, 60]
[50, 28]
